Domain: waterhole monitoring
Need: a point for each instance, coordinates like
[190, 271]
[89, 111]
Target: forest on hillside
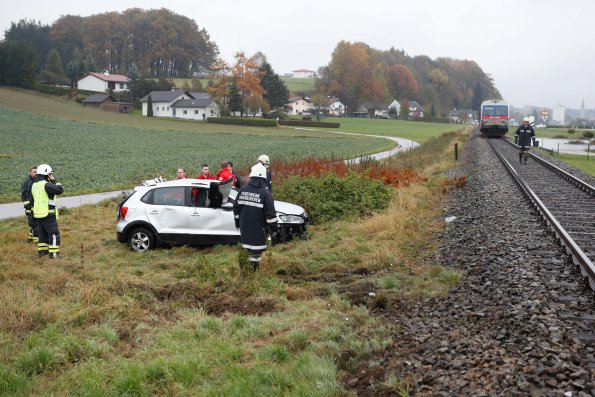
[358, 73]
[158, 42]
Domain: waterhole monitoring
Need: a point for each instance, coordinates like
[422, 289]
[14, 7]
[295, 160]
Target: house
[304, 74]
[180, 104]
[396, 106]
[415, 110]
[297, 105]
[104, 82]
[372, 110]
[107, 103]
[196, 109]
[336, 107]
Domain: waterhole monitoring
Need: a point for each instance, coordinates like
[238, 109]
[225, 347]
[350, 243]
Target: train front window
[501, 111]
[488, 110]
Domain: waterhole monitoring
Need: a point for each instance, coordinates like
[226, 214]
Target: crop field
[95, 157]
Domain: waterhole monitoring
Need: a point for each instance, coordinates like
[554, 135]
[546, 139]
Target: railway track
[566, 203]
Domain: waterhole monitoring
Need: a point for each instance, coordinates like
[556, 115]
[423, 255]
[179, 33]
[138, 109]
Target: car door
[166, 212]
[208, 225]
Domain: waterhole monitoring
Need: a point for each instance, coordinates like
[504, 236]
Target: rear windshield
[495, 111]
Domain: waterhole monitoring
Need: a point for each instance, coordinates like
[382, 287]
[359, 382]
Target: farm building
[372, 110]
[415, 110]
[107, 103]
[297, 105]
[336, 107]
[104, 82]
[180, 104]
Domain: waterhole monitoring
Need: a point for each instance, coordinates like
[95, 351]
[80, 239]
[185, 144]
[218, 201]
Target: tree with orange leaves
[246, 76]
[402, 83]
[220, 89]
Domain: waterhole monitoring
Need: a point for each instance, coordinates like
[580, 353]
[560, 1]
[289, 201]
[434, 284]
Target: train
[494, 117]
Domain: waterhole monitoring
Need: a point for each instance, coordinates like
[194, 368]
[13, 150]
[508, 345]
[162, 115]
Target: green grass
[296, 85]
[582, 162]
[416, 131]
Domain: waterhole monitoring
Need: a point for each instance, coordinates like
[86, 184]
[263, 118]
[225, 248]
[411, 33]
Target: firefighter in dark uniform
[264, 160]
[255, 215]
[44, 192]
[524, 137]
[27, 199]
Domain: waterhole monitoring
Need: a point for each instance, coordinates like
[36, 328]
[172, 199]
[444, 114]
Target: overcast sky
[539, 52]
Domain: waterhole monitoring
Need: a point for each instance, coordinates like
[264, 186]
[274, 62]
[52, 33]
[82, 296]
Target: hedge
[303, 123]
[242, 121]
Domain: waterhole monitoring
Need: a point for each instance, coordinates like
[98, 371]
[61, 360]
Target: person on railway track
[27, 199]
[524, 137]
[44, 191]
[255, 215]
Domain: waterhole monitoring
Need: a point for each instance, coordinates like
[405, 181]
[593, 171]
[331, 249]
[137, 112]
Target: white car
[192, 212]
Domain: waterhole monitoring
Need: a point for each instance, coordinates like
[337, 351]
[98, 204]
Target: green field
[98, 157]
[415, 130]
[296, 85]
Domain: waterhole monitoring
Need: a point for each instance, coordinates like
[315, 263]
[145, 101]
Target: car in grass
[192, 212]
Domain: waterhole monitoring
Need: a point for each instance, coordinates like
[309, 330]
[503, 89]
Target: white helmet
[258, 171]
[264, 159]
[44, 169]
[525, 119]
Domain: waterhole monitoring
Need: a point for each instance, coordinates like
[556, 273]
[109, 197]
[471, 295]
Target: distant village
[185, 104]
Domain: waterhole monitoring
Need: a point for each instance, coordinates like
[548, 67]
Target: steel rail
[578, 256]
[569, 177]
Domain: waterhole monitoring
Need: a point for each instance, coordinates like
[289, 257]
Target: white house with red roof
[103, 82]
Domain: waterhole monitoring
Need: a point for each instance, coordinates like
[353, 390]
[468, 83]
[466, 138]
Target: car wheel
[141, 240]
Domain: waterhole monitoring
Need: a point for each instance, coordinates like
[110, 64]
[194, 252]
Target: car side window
[200, 197]
[169, 196]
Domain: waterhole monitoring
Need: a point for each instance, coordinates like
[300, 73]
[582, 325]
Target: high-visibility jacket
[44, 197]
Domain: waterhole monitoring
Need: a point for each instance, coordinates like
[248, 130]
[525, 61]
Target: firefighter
[524, 137]
[44, 192]
[264, 160]
[255, 215]
[27, 199]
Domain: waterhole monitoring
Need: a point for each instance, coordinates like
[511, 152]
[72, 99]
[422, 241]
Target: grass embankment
[184, 321]
[581, 162]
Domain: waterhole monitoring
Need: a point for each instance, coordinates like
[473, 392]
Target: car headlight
[295, 219]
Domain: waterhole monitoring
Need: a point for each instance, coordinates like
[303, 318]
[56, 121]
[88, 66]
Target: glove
[237, 222]
[516, 140]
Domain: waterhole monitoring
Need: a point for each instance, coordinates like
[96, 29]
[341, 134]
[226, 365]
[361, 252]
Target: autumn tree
[319, 102]
[219, 89]
[349, 71]
[149, 106]
[402, 83]
[246, 76]
[255, 104]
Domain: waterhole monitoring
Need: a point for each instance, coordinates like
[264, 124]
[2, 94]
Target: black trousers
[49, 235]
[33, 227]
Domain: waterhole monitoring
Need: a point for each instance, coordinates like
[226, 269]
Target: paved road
[13, 210]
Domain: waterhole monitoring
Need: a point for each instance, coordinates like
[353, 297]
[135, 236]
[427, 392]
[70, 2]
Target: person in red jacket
[226, 173]
[204, 173]
[181, 174]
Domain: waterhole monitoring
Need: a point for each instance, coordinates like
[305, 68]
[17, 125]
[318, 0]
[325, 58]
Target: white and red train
[494, 118]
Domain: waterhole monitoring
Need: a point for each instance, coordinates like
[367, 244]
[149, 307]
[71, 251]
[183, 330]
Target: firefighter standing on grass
[255, 215]
[27, 199]
[44, 192]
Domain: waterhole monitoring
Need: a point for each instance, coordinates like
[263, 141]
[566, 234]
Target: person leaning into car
[255, 215]
[226, 173]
